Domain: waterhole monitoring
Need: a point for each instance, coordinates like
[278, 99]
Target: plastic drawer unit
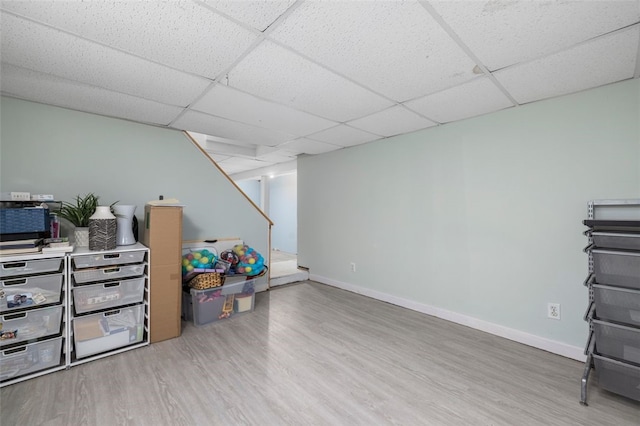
[20, 327]
[106, 331]
[28, 292]
[109, 295]
[30, 358]
[108, 301]
[236, 296]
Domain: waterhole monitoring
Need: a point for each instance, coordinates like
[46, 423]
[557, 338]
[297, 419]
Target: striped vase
[102, 229]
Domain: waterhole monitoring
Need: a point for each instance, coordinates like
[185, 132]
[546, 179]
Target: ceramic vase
[81, 236]
[102, 229]
[124, 221]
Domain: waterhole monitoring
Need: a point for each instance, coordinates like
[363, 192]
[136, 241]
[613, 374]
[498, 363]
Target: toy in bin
[250, 262]
[197, 259]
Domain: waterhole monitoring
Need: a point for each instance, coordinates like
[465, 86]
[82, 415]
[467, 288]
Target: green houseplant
[80, 212]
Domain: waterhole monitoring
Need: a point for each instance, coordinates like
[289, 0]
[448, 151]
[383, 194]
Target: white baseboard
[543, 343]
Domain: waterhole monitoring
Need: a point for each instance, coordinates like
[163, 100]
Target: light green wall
[481, 217]
[52, 150]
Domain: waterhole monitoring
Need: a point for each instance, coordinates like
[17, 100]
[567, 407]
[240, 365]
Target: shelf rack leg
[585, 379]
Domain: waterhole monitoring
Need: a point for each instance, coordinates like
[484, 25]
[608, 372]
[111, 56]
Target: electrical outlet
[553, 311]
[353, 267]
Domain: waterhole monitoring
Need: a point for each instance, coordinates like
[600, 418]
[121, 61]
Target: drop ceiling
[261, 82]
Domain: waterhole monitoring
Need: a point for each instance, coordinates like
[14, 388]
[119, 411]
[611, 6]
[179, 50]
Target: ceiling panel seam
[339, 74]
[454, 36]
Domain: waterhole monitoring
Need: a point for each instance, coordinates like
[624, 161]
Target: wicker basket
[206, 280]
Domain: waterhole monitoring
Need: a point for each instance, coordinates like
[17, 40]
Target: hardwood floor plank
[311, 354]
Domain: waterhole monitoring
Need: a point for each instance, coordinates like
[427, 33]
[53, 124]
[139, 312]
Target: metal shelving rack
[624, 212]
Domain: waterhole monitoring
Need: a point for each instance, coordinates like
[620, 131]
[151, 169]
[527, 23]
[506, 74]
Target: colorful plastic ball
[197, 255]
[189, 268]
[252, 261]
[195, 262]
[247, 269]
[204, 260]
[185, 262]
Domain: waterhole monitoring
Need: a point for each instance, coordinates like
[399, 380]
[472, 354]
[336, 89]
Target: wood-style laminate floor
[314, 355]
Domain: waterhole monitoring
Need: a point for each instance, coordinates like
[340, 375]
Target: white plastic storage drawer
[618, 377]
[27, 359]
[106, 274]
[617, 341]
[108, 259]
[617, 304]
[18, 293]
[31, 267]
[617, 268]
[94, 297]
[22, 326]
[106, 331]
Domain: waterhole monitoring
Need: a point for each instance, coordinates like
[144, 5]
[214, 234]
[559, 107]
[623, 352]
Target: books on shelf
[57, 242]
[58, 249]
[16, 244]
[22, 250]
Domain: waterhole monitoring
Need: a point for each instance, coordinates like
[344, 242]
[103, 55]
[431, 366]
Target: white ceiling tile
[272, 72]
[229, 103]
[395, 48]
[217, 157]
[506, 32]
[257, 14]
[393, 121]
[477, 97]
[307, 146]
[181, 34]
[43, 49]
[44, 88]
[277, 157]
[344, 135]
[598, 62]
[217, 126]
[237, 164]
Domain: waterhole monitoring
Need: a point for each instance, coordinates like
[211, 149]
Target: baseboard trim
[528, 339]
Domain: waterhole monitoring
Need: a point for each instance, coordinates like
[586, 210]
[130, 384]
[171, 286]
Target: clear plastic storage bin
[97, 260]
[31, 267]
[105, 331]
[106, 274]
[30, 358]
[236, 296]
[108, 295]
[27, 325]
[18, 293]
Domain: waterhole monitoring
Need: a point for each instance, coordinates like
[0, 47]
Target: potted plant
[78, 213]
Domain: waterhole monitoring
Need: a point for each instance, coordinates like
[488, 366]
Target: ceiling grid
[263, 81]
